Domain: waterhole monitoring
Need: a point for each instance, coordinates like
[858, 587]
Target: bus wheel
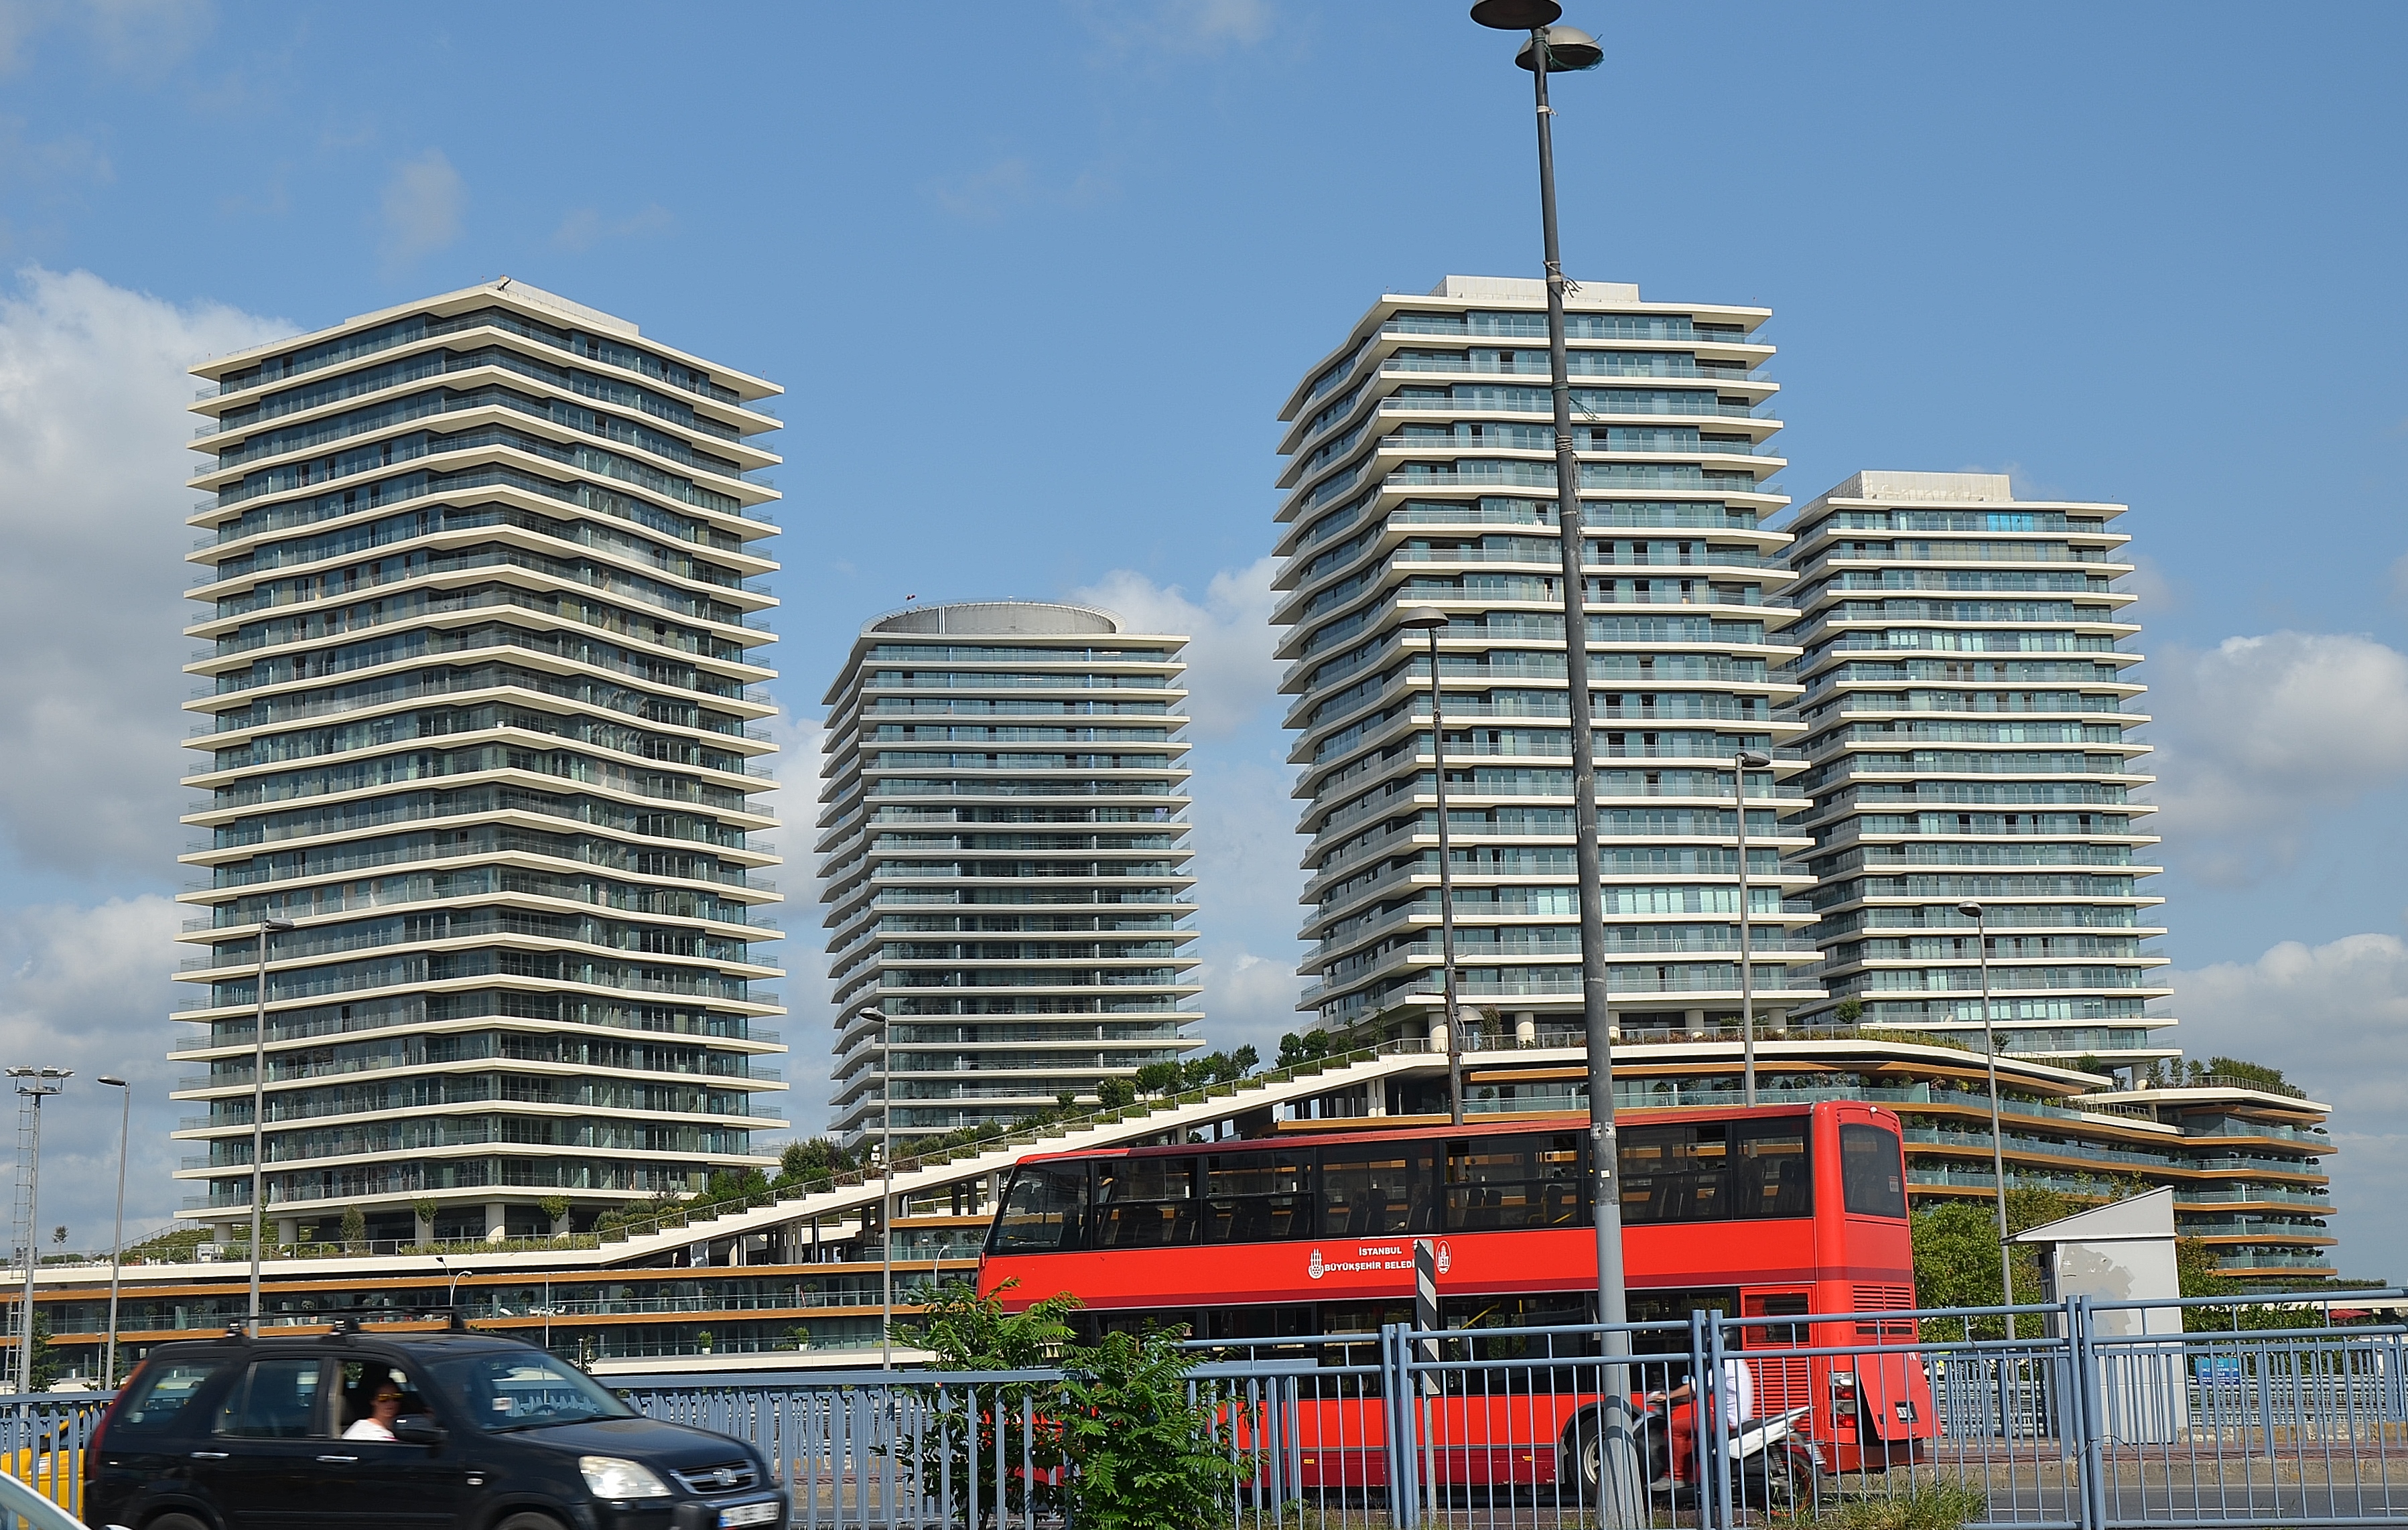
[1580, 1458]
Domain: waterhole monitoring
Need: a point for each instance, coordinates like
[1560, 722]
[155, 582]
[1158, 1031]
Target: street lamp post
[1553, 49]
[1741, 763]
[259, 1107]
[1430, 626]
[36, 1085]
[885, 1188]
[1990, 1060]
[117, 1240]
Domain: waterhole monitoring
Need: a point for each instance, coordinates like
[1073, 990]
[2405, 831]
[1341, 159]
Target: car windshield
[521, 1390]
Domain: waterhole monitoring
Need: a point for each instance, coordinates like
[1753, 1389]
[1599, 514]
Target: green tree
[965, 1331]
[1142, 1452]
[815, 1158]
[355, 1229]
[1295, 1050]
[1115, 1094]
[1957, 1253]
[1159, 1078]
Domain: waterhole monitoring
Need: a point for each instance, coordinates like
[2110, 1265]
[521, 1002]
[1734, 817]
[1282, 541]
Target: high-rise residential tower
[477, 701]
[1003, 843]
[1970, 723]
[1422, 478]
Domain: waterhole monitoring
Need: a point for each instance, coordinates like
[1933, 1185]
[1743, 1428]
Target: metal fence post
[1707, 1387]
[2089, 1419]
[1396, 1391]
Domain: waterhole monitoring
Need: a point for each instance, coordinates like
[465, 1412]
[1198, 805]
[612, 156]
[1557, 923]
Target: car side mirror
[418, 1429]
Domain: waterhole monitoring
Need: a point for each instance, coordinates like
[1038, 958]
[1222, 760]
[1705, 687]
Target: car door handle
[339, 1460]
[209, 1455]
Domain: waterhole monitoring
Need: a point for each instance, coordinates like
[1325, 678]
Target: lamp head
[1427, 622]
[1516, 15]
[278, 924]
[1749, 759]
[118, 1083]
[1970, 910]
[1568, 48]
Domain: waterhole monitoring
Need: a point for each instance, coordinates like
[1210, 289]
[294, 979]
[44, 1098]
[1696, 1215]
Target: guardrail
[2095, 1415]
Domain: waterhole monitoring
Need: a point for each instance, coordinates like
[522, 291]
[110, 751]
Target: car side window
[360, 1380]
[276, 1399]
[162, 1392]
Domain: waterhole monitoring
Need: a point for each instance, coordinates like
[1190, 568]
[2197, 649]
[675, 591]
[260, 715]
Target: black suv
[419, 1431]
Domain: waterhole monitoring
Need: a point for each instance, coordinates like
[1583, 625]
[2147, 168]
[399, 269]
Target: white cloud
[2256, 736]
[92, 390]
[1011, 183]
[424, 200]
[2334, 1018]
[1177, 26]
[585, 227]
[803, 953]
[1231, 675]
[1248, 999]
[147, 37]
[87, 989]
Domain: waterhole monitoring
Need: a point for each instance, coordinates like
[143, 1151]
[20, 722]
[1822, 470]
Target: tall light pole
[1429, 626]
[886, 1187]
[1741, 763]
[1981, 919]
[36, 1085]
[259, 1107]
[1554, 49]
[117, 1240]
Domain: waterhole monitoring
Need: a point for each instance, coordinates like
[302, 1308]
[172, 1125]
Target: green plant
[1143, 1452]
[1115, 1094]
[554, 1207]
[355, 1228]
[424, 1209]
[1933, 1503]
[967, 1332]
[1848, 1011]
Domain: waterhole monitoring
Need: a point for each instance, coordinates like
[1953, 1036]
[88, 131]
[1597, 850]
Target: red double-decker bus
[1280, 1240]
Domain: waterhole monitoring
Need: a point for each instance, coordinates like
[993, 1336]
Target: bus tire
[1579, 1457]
[173, 1521]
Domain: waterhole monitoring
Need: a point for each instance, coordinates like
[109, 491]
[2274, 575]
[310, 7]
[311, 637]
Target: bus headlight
[1843, 1386]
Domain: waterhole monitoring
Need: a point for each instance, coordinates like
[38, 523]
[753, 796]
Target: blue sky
[1037, 278]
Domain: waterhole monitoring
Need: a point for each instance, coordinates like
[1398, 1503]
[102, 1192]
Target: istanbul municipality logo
[1445, 1257]
[1314, 1267]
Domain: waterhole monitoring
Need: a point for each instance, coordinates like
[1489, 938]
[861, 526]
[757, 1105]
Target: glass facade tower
[1421, 479]
[477, 703]
[1003, 843]
[1970, 722]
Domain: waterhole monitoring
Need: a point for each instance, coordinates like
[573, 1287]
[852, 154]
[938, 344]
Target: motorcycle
[1774, 1469]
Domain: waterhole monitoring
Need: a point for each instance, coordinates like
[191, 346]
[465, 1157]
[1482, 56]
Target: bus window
[1255, 1197]
[1144, 1203]
[1505, 1183]
[1366, 1190]
[1044, 1211]
[1673, 1306]
[1872, 1181]
[1717, 1170]
[1772, 1304]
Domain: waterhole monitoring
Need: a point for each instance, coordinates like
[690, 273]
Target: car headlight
[609, 1477]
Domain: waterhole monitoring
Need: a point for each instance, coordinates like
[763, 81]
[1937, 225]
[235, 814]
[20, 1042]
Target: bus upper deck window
[1873, 1180]
[1044, 1210]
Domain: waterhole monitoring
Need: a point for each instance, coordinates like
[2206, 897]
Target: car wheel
[530, 1519]
[175, 1522]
